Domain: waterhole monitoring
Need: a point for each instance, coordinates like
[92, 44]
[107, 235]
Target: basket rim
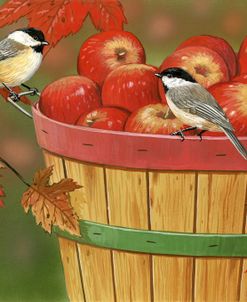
[36, 109]
[137, 150]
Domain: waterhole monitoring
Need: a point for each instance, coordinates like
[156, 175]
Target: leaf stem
[22, 179]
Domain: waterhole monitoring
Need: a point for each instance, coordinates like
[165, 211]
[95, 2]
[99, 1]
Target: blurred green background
[30, 267]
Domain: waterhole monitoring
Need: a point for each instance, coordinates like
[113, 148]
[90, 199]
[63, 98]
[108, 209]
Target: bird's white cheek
[165, 81]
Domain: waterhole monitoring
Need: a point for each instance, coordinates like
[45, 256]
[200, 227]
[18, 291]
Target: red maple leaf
[107, 15]
[13, 10]
[60, 18]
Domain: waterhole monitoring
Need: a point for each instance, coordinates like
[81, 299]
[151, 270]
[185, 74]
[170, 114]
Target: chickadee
[20, 57]
[195, 106]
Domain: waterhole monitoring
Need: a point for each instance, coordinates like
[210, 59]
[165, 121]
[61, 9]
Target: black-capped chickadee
[20, 57]
[195, 106]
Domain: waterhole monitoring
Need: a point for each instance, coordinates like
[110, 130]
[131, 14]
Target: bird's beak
[158, 75]
[45, 43]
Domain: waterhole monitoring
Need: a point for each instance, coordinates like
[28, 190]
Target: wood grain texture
[243, 271]
[243, 278]
[68, 249]
[90, 204]
[172, 197]
[73, 278]
[220, 209]
[127, 201]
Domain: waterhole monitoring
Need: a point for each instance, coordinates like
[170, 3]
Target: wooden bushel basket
[144, 183]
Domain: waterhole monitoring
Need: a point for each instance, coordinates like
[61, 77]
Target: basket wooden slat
[89, 203]
[243, 276]
[69, 256]
[128, 206]
[68, 249]
[172, 197]
[220, 209]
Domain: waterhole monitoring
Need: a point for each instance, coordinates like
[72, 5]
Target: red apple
[222, 47]
[131, 86]
[205, 65]
[104, 52]
[242, 78]
[242, 57]
[154, 118]
[232, 97]
[104, 118]
[66, 99]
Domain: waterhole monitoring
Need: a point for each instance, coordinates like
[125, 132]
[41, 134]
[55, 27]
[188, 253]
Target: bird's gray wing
[198, 101]
[9, 48]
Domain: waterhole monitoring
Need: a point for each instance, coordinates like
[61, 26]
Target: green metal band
[156, 242]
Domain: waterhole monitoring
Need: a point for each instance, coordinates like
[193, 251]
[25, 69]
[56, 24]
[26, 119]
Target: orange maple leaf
[50, 203]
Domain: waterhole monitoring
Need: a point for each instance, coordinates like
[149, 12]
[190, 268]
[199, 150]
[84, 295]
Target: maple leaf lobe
[50, 203]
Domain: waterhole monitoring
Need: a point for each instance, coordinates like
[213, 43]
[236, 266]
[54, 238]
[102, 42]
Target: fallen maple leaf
[50, 203]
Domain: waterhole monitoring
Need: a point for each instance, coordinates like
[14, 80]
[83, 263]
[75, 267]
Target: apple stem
[90, 122]
[121, 54]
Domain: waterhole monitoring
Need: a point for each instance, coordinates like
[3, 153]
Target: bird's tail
[232, 137]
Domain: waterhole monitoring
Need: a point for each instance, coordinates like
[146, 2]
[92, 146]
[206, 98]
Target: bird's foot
[179, 133]
[200, 134]
[34, 91]
[14, 96]
[31, 91]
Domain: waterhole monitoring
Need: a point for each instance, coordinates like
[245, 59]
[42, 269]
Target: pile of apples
[116, 90]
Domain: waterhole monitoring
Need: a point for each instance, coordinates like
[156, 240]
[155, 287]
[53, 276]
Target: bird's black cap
[34, 33]
[175, 72]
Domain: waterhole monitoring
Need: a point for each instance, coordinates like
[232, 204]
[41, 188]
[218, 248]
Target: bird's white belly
[191, 119]
[17, 70]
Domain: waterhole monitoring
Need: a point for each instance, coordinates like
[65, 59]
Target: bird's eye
[36, 38]
[169, 75]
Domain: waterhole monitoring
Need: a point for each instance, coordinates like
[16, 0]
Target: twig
[19, 107]
[15, 172]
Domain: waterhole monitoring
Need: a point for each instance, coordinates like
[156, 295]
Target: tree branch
[19, 107]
